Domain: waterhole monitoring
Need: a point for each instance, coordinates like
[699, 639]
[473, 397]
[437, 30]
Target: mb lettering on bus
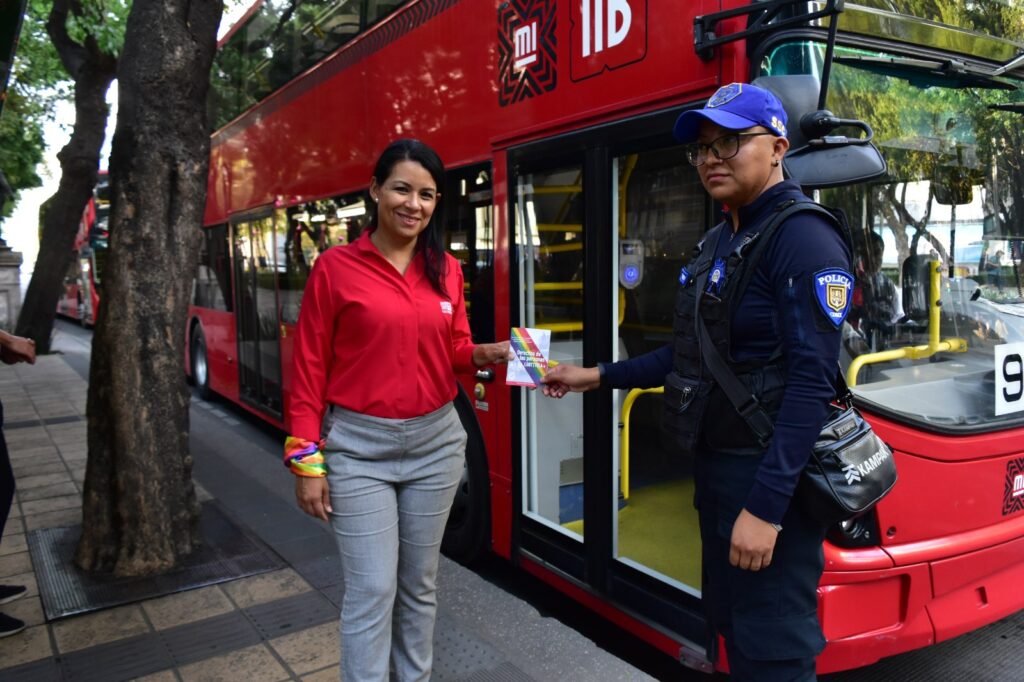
[525, 41]
[606, 34]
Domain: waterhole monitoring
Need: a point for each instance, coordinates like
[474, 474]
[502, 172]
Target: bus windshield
[949, 213]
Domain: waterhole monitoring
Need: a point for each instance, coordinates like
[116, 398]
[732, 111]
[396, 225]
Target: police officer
[772, 303]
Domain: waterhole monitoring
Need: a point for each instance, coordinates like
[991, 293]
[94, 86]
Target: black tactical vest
[690, 391]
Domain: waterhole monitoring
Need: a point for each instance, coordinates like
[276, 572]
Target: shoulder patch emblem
[833, 290]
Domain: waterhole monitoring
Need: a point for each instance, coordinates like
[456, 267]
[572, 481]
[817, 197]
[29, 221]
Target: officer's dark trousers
[769, 617]
[6, 477]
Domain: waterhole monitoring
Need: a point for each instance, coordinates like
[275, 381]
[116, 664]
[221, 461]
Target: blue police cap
[734, 107]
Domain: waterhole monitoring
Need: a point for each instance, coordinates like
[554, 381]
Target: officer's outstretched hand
[753, 542]
[563, 378]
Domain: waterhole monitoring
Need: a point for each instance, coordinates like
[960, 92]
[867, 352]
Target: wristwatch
[777, 527]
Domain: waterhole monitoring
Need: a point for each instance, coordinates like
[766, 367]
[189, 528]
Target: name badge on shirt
[717, 277]
[446, 307]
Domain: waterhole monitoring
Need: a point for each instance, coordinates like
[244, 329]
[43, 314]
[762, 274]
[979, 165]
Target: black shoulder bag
[850, 468]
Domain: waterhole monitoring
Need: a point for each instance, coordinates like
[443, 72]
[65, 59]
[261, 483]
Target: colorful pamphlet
[532, 348]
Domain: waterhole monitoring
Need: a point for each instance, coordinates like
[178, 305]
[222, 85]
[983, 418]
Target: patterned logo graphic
[1013, 497]
[526, 50]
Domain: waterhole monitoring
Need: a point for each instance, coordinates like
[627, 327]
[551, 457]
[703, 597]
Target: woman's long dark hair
[431, 240]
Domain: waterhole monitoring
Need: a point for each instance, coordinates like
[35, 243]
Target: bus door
[469, 233]
[603, 223]
[259, 348]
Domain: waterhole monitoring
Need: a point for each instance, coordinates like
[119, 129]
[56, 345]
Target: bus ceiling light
[353, 211]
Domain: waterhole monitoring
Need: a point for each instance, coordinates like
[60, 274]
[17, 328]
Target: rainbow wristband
[304, 457]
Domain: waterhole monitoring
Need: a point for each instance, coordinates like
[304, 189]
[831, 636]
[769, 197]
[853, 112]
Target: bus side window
[213, 276]
[305, 231]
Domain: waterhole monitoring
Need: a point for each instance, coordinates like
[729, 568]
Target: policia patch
[833, 290]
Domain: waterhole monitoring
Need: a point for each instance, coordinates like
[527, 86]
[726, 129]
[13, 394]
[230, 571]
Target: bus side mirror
[834, 166]
[819, 156]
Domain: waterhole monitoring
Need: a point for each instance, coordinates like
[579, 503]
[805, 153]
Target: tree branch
[72, 55]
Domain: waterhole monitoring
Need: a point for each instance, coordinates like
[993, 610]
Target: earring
[775, 163]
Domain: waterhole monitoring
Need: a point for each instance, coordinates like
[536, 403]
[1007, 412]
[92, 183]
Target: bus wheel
[201, 366]
[468, 533]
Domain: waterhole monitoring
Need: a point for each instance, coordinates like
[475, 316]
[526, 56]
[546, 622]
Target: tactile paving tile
[220, 634]
[124, 659]
[46, 670]
[283, 616]
[227, 552]
[506, 672]
[458, 654]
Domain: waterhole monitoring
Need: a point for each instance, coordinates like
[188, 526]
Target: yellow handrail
[934, 345]
[627, 407]
[560, 227]
[558, 286]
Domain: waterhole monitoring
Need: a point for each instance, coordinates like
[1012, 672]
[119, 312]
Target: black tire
[201, 365]
[467, 537]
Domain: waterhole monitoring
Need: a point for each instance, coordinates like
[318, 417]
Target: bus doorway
[259, 346]
[601, 231]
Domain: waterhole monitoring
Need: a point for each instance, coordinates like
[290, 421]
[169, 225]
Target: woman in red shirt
[376, 444]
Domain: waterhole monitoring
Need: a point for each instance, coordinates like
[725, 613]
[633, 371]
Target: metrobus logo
[606, 34]
[526, 50]
[1013, 497]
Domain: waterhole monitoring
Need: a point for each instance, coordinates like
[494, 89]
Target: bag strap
[741, 398]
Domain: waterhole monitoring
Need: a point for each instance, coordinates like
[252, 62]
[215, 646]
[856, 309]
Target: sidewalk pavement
[231, 630]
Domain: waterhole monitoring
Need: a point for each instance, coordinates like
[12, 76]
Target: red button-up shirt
[374, 341]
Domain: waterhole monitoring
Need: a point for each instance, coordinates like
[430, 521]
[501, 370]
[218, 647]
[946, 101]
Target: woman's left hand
[492, 353]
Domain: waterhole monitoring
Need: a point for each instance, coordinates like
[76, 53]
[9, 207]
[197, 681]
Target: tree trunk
[92, 71]
[139, 509]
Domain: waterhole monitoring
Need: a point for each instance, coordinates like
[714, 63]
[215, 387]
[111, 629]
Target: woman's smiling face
[405, 201]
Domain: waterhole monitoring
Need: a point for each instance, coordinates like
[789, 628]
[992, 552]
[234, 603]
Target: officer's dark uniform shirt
[779, 304]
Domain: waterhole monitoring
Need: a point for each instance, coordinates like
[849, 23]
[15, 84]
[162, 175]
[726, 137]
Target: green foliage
[102, 20]
[1003, 18]
[38, 82]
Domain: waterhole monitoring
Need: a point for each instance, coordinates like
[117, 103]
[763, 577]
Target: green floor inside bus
[658, 528]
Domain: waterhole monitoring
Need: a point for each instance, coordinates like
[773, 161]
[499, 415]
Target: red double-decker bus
[80, 299]
[571, 208]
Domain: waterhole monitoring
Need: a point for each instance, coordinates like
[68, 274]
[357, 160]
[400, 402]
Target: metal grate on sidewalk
[228, 552]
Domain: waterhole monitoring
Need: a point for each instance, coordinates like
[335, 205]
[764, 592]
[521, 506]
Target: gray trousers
[392, 482]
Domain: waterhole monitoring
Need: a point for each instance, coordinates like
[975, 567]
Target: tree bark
[92, 70]
[140, 514]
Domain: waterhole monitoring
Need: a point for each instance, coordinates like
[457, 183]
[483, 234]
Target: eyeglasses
[725, 147]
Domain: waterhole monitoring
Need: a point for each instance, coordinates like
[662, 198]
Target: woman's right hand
[563, 378]
[313, 496]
